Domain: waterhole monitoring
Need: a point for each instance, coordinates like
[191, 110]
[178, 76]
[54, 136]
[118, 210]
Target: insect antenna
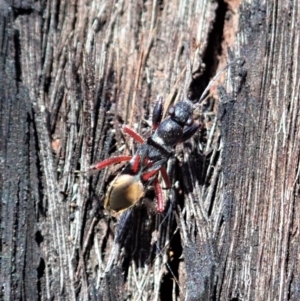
[239, 61]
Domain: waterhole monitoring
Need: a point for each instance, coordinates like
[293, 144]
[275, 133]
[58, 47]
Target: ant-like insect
[152, 154]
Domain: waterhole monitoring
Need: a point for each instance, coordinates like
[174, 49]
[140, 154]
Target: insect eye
[189, 121]
[171, 111]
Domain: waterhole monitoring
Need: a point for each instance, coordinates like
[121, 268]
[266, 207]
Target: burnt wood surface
[72, 72]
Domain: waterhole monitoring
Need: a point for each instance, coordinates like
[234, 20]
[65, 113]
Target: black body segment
[160, 146]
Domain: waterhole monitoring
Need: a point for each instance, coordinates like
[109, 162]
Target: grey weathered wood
[70, 73]
[261, 158]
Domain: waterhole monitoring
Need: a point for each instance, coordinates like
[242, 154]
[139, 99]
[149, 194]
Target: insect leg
[165, 177]
[189, 132]
[149, 174]
[152, 168]
[157, 113]
[132, 133]
[158, 192]
[110, 161]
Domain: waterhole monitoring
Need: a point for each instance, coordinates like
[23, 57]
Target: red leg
[110, 161]
[132, 133]
[165, 177]
[147, 175]
[158, 192]
[136, 164]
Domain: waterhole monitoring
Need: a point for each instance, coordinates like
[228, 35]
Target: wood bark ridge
[72, 72]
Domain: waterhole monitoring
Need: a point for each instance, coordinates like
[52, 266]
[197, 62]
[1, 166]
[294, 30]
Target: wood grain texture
[72, 73]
